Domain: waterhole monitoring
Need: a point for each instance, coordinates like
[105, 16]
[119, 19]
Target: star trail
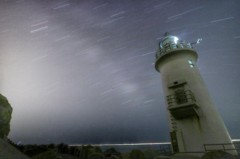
[79, 71]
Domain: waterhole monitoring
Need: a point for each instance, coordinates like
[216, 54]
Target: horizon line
[134, 144]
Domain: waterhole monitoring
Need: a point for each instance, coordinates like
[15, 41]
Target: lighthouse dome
[168, 40]
[170, 43]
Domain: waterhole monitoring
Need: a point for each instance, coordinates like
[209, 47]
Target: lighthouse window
[191, 64]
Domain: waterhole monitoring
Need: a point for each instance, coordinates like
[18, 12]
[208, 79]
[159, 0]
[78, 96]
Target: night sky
[82, 71]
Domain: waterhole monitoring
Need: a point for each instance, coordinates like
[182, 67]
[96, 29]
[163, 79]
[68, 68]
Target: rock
[5, 116]
[7, 151]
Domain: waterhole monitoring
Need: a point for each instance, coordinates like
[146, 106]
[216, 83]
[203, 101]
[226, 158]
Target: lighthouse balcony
[182, 104]
[171, 46]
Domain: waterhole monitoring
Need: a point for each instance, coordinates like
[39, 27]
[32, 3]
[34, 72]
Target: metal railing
[173, 46]
[221, 146]
[181, 97]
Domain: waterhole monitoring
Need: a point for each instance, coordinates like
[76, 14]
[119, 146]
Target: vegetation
[5, 116]
[112, 153]
[51, 154]
[136, 154]
[63, 151]
[52, 151]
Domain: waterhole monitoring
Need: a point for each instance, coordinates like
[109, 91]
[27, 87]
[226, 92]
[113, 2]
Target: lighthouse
[195, 125]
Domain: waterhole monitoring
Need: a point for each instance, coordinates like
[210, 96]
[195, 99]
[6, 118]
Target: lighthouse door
[174, 141]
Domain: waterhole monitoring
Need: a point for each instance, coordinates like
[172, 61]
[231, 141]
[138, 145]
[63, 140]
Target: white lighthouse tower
[195, 125]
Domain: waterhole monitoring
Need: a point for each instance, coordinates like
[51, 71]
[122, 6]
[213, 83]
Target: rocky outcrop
[8, 151]
[5, 116]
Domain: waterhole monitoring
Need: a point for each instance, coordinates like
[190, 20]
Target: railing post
[204, 145]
